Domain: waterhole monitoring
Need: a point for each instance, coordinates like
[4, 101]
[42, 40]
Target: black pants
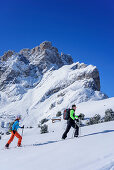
[70, 124]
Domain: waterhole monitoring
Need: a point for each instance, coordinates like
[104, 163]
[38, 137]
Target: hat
[73, 105]
[18, 116]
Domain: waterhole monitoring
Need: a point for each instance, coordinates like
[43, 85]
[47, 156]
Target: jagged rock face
[45, 45]
[17, 70]
[7, 55]
[45, 56]
[20, 72]
[31, 64]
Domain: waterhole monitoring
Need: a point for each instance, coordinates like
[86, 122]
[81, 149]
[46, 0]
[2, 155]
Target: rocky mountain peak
[54, 75]
[46, 45]
[45, 56]
[29, 65]
[7, 55]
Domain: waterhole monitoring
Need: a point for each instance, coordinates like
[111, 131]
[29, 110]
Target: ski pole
[22, 130]
[74, 130]
[79, 128]
[73, 133]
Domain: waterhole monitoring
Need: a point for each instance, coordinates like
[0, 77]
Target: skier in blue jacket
[14, 132]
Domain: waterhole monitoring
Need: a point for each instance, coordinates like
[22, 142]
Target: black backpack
[66, 114]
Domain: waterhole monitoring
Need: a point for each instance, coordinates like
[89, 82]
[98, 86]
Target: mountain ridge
[48, 79]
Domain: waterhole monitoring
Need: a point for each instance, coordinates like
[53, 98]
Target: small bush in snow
[8, 133]
[61, 94]
[44, 129]
[52, 106]
[43, 121]
[39, 125]
[101, 120]
[2, 124]
[82, 116]
[94, 120]
[58, 114]
[109, 115]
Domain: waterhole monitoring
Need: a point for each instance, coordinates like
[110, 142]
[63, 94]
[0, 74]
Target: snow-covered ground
[93, 150]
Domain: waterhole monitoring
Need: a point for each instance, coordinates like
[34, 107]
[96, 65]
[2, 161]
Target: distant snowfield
[93, 150]
[91, 108]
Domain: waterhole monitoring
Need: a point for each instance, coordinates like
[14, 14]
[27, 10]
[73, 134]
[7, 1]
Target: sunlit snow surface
[93, 150]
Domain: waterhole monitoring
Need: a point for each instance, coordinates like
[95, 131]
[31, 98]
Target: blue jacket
[15, 126]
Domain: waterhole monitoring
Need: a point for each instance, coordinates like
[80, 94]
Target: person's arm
[18, 126]
[76, 117]
[21, 126]
[72, 114]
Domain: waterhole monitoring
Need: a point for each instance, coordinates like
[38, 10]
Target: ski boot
[7, 146]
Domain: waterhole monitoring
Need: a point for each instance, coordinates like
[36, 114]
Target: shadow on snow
[50, 142]
[102, 132]
[55, 141]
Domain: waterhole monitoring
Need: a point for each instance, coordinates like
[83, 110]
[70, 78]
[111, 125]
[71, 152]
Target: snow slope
[93, 150]
[57, 90]
[91, 108]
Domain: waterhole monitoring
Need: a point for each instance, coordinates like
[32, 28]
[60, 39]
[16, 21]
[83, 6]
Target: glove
[79, 116]
[22, 127]
[14, 131]
[76, 120]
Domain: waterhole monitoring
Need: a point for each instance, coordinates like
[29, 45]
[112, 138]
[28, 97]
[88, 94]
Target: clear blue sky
[82, 28]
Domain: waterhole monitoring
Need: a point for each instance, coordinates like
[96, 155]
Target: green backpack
[10, 126]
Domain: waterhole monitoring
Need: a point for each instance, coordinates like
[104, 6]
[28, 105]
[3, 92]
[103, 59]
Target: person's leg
[19, 138]
[76, 131]
[66, 131]
[74, 125]
[11, 138]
